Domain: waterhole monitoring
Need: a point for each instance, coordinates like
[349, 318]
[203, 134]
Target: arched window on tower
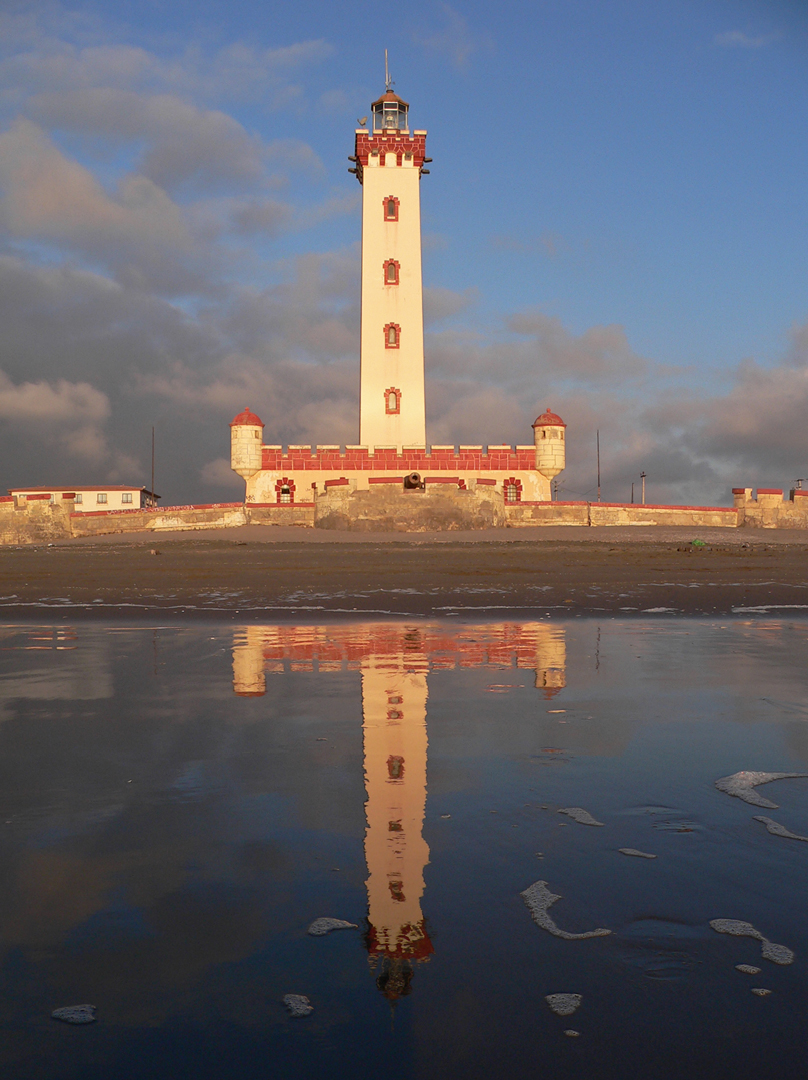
[392, 336]
[391, 269]
[392, 401]
[391, 208]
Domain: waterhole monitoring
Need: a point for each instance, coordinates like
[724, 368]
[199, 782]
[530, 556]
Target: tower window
[392, 336]
[392, 401]
[395, 767]
[391, 269]
[391, 208]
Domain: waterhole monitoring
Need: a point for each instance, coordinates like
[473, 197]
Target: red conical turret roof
[548, 419]
[247, 417]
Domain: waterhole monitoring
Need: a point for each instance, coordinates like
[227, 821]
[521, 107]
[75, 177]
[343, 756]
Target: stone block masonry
[440, 506]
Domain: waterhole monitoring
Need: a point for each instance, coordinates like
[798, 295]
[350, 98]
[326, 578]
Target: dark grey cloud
[154, 294]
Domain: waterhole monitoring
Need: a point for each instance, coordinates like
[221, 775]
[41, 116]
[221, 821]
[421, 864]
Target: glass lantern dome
[389, 113]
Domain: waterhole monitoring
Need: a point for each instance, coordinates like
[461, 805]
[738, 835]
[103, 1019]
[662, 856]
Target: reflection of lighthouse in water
[394, 661]
[394, 697]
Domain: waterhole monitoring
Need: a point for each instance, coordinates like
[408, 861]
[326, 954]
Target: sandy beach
[257, 573]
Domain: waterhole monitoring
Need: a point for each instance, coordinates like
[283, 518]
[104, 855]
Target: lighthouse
[389, 162]
[391, 476]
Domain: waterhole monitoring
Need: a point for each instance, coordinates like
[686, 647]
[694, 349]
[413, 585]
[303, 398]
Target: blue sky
[614, 225]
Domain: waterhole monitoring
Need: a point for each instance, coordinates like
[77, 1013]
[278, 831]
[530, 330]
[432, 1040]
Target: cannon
[413, 482]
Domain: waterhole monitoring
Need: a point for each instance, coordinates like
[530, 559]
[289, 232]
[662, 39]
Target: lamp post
[642, 477]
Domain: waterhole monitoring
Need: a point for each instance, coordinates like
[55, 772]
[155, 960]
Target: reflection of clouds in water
[57, 666]
[239, 806]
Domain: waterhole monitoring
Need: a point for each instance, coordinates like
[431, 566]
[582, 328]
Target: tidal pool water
[179, 803]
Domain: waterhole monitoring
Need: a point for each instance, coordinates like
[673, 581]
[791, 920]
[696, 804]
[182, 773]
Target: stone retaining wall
[388, 507]
[582, 513]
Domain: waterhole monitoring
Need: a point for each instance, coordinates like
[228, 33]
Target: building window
[79, 497]
[395, 767]
[391, 208]
[285, 491]
[391, 269]
[392, 336]
[392, 401]
[397, 891]
[101, 497]
[126, 497]
[513, 490]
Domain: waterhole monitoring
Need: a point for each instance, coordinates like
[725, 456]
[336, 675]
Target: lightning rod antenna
[387, 81]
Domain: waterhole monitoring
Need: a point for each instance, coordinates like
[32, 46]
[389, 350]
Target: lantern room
[390, 114]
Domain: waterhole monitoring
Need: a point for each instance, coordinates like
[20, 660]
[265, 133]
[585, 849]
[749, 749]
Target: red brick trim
[486, 480]
[739, 491]
[770, 491]
[387, 343]
[385, 479]
[386, 208]
[442, 480]
[282, 483]
[343, 481]
[31, 498]
[797, 494]
[391, 279]
[392, 391]
[514, 482]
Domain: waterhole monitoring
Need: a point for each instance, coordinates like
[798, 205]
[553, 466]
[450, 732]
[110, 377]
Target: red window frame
[386, 271]
[516, 484]
[392, 391]
[387, 343]
[386, 209]
[279, 486]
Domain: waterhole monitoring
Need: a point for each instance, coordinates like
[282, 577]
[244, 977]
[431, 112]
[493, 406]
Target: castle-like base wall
[183, 518]
[390, 507]
[306, 471]
[583, 513]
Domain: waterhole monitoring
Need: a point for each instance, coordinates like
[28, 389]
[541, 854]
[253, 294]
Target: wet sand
[255, 573]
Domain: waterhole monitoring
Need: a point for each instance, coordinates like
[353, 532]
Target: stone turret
[246, 440]
[548, 435]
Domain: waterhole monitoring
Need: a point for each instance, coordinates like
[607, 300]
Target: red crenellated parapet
[384, 458]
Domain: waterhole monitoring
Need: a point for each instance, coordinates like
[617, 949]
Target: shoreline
[247, 575]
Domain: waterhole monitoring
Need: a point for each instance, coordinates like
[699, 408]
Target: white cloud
[217, 473]
[52, 403]
[47, 195]
[441, 303]
[237, 71]
[737, 39]
[453, 38]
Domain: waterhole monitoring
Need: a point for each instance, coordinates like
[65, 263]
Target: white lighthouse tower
[389, 163]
